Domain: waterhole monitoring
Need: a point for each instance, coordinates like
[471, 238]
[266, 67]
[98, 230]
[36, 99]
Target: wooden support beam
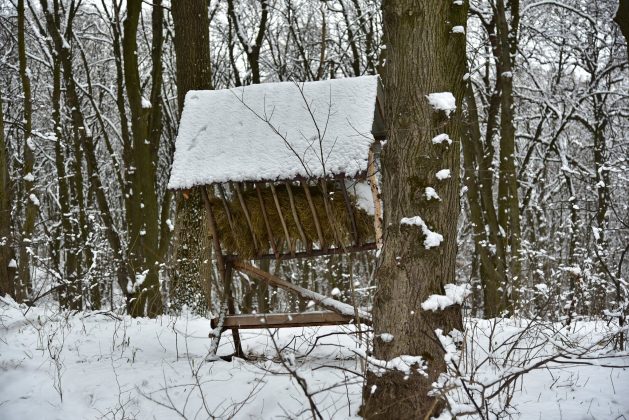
[326, 302]
[224, 271]
[285, 320]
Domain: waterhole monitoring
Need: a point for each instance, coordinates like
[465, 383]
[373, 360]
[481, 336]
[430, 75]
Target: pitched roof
[276, 131]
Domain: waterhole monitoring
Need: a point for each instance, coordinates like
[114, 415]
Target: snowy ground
[96, 365]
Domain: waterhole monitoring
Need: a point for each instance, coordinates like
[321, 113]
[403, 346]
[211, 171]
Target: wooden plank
[326, 302]
[225, 273]
[285, 320]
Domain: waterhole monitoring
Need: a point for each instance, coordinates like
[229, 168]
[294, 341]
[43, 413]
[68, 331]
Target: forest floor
[100, 365]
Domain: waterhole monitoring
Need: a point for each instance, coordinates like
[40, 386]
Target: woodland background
[89, 112]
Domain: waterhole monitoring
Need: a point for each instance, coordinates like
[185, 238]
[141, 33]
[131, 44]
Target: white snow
[455, 294]
[34, 199]
[335, 292]
[270, 131]
[28, 177]
[386, 337]
[113, 366]
[431, 194]
[432, 239]
[443, 174]
[442, 101]
[458, 30]
[362, 193]
[12, 263]
[171, 226]
[146, 103]
[438, 139]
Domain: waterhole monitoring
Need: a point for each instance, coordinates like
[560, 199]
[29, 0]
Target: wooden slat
[293, 208]
[350, 213]
[328, 212]
[267, 224]
[245, 210]
[224, 270]
[315, 216]
[285, 320]
[276, 200]
[230, 217]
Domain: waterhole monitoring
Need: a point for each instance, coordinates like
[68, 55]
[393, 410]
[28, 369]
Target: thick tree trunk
[28, 196]
[192, 252]
[424, 55]
[7, 255]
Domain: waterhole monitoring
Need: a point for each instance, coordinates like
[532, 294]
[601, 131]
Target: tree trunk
[192, 250]
[424, 55]
[143, 218]
[28, 196]
[7, 255]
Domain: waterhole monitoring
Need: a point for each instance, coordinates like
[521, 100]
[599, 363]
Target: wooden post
[375, 194]
[224, 270]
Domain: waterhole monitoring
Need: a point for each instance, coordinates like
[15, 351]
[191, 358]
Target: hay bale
[238, 239]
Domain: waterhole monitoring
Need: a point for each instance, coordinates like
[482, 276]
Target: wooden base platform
[286, 320]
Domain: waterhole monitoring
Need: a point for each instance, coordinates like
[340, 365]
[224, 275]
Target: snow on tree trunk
[424, 57]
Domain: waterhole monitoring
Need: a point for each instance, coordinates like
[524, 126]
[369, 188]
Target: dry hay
[237, 239]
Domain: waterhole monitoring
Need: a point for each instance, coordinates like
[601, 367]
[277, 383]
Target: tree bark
[28, 196]
[192, 250]
[424, 56]
[7, 255]
[143, 217]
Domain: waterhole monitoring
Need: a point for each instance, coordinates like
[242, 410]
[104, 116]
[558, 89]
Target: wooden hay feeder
[285, 170]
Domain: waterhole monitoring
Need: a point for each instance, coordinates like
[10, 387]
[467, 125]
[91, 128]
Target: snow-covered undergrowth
[100, 365]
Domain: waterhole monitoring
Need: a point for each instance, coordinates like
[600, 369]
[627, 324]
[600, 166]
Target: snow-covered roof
[276, 131]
